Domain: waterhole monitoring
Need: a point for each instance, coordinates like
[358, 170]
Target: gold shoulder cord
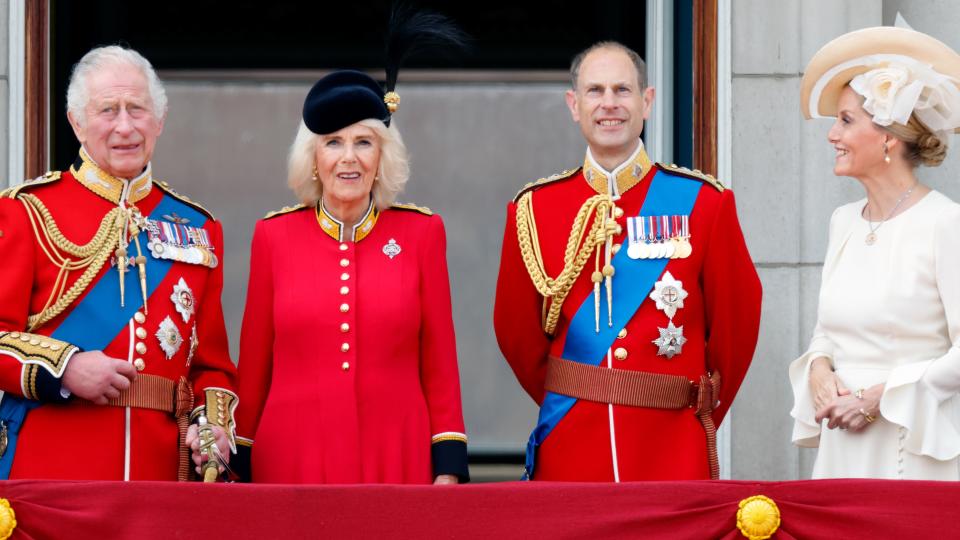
[90, 256]
[556, 289]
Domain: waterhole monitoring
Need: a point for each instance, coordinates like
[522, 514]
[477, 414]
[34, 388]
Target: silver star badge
[391, 249]
[668, 293]
[671, 340]
[183, 299]
[169, 337]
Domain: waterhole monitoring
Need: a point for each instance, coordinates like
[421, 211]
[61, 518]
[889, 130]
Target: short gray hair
[615, 45]
[393, 170]
[78, 94]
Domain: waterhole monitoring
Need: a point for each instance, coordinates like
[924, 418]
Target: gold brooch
[758, 517]
[392, 99]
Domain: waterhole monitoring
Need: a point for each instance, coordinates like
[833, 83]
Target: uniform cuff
[450, 457]
[46, 387]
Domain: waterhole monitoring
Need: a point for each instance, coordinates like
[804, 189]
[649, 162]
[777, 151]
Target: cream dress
[889, 313]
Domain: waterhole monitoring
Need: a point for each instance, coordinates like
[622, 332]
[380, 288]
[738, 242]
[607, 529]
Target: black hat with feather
[346, 97]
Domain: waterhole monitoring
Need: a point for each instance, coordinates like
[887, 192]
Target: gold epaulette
[284, 210]
[696, 174]
[165, 187]
[562, 175]
[413, 208]
[47, 178]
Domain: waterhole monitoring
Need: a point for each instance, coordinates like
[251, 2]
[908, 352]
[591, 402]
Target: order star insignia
[671, 340]
[668, 293]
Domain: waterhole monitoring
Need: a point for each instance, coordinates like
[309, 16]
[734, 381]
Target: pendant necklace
[872, 235]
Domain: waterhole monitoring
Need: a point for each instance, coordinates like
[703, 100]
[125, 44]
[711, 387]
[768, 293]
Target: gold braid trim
[574, 259]
[92, 255]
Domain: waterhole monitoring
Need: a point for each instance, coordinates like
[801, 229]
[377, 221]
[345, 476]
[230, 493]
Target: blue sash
[97, 320]
[632, 283]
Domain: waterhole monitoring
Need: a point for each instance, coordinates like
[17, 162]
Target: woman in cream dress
[877, 390]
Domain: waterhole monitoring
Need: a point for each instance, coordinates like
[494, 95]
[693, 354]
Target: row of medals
[672, 242]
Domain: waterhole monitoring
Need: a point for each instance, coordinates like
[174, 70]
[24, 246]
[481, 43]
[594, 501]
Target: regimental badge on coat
[183, 300]
[668, 293]
[391, 249]
[177, 241]
[659, 237]
[169, 337]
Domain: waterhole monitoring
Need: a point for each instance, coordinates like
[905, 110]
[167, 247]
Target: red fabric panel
[676, 510]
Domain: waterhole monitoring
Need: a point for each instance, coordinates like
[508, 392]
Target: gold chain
[575, 256]
[93, 255]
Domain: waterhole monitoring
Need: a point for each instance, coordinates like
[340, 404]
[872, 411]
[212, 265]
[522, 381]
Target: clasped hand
[834, 401]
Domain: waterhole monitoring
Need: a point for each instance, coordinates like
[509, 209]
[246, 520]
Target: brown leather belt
[640, 389]
[163, 394]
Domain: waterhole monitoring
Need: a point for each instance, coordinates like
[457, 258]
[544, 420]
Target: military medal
[668, 246]
[635, 239]
[183, 300]
[671, 341]
[169, 337]
[685, 248]
[177, 241]
[668, 293]
[391, 249]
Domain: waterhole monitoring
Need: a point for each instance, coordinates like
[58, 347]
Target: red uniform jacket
[181, 332]
[720, 319]
[348, 366]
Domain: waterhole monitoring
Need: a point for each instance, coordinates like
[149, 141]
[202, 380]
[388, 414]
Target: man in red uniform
[627, 303]
[111, 331]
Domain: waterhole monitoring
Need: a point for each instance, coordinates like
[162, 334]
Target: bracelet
[866, 416]
[859, 393]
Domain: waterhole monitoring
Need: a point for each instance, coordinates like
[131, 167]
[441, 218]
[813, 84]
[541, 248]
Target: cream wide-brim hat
[849, 55]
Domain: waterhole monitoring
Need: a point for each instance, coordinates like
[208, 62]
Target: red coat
[720, 319]
[74, 438]
[348, 366]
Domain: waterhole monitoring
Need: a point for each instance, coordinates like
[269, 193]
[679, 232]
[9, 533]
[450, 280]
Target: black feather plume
[411, 31]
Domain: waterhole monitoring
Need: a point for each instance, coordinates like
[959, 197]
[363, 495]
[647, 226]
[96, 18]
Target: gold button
[24, 338]
[139, 364]
[345, 347]
[344, 276]
[622, 334]
[54, 347]
[34, 342]
[620, 353]
[344, 290]
[344, 308]
[44, 345]
[139, 317]
[618, 213]
[615, 248]
[344, 327]
[345, 366]
[141, 333]
[343, 247]
[140, 348]
[15, 335]
[344, 263]
[219, 393]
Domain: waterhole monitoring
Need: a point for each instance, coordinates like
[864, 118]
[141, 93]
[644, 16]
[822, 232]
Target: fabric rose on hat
[890, 93]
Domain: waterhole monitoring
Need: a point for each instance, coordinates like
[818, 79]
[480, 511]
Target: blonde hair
[393, 171]
[920, 145]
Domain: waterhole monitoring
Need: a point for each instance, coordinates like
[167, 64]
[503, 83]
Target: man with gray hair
[627, 303]
[112, 338]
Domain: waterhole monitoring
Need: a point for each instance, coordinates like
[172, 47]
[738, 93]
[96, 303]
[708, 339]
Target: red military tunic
[348, 366]
[720, 316]
[181, 332]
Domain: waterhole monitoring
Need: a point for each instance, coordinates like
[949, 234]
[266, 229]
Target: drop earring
[316, 175]
[886, 156]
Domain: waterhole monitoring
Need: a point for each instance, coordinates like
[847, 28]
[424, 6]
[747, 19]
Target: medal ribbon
[633, 280]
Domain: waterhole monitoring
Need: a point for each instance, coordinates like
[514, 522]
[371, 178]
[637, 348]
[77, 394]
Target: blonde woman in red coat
[348, 366]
